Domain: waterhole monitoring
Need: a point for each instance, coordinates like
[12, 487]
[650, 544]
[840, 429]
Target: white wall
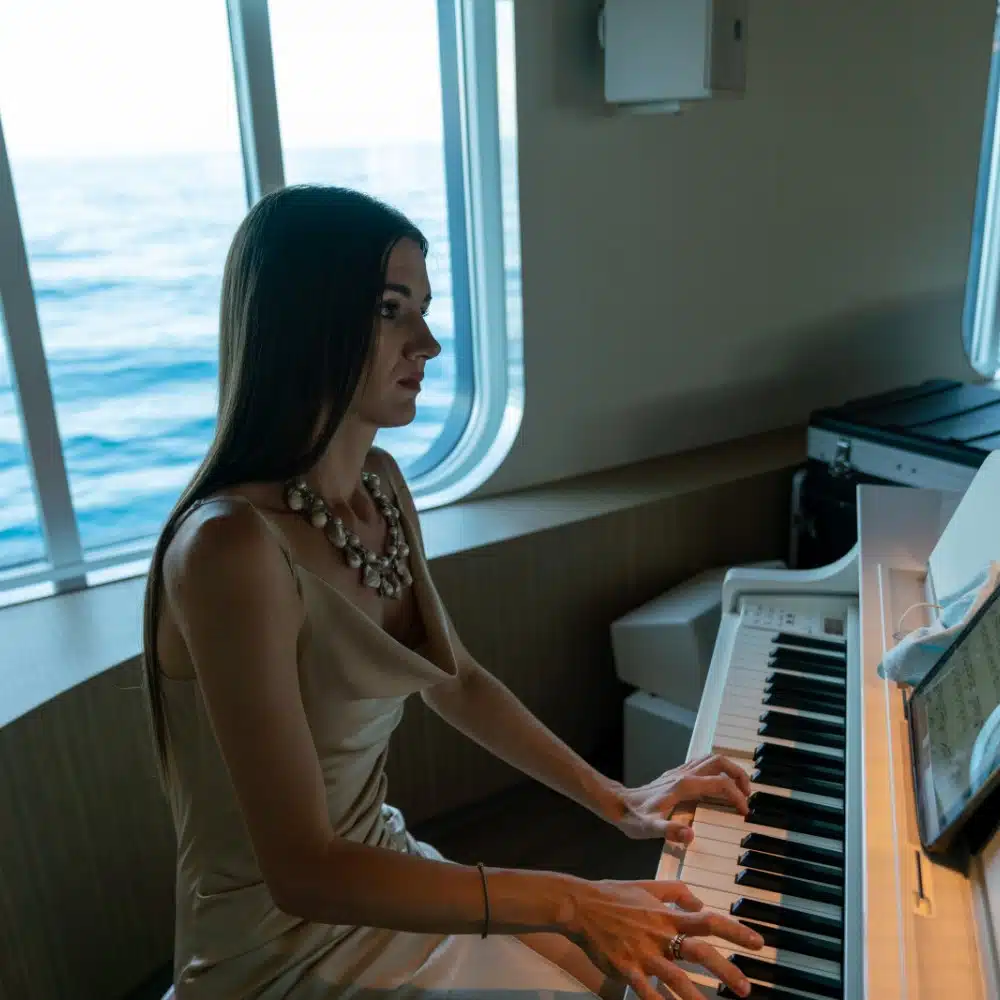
[689, 279]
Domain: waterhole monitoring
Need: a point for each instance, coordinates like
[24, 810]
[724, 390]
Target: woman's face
[403, 341]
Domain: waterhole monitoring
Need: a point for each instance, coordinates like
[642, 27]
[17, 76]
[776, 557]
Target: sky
[124, 77]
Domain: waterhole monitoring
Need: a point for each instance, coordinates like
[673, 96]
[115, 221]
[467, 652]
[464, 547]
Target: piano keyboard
[780, 869]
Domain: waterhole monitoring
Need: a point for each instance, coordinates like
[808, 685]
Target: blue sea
[126, 259]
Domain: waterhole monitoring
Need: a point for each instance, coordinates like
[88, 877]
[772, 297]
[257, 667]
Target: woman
[289, 613]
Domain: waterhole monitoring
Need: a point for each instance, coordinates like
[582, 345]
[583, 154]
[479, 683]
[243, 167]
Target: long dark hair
[300, 293]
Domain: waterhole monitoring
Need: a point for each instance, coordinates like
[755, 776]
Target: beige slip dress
[232, 942]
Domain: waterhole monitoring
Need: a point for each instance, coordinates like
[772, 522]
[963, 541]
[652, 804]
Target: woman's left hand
[645, 809]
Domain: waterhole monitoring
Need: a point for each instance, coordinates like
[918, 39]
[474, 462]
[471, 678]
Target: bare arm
[237, 607]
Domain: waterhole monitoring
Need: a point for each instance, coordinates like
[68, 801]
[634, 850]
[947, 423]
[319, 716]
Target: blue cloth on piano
[914, 655]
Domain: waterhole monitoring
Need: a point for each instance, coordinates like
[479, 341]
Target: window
[982, 317]
[21, 541]
[126, 167]
[390, 144]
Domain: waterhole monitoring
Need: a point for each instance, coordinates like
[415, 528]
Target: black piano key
[809, 642]
[773, 753]
[792, 849]
[785, 975]
[787, 886]
[808, 656]
[812, 810]
[811, 725]
[785, 916]
[758, 992]
[812, 687]
[791, 866]
[780, 730]
[795, 666]
[799, 824]
[802, 944]
[804, 780]
[782, 698]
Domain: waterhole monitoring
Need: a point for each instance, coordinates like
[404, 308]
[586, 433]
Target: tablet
[954, 722]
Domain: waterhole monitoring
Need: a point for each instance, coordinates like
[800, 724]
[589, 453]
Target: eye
[388, 309]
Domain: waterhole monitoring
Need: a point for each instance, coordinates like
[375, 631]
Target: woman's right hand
[626, 929]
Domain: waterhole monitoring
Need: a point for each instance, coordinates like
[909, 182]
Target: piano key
[796, 795]
[782, 915]
[736, 702]
[834, 726]
[784, 975]
[794, 757]
[809, 656]
[785, 777]
[782, 939]
[806, 667]
[786, 885]
[765, 670]
[694, 877]
[798, 960]
[811, 642]
[802, 808]
[743, 729]
[799, 733]
[815, 687]
[786, 917]
[791, 866]
[733, 873]
[738, 827]
[783, 698]
[788, 820]
[760, 991]
[789, 848]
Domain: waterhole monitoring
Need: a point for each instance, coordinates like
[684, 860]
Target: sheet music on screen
[956, 719]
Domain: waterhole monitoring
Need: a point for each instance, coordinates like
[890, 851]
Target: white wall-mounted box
[658, 52]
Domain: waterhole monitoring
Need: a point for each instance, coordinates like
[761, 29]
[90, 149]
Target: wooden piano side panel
[986, 897]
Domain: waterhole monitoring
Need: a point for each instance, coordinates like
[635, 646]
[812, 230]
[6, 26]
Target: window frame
[980, 328]
[485, 414]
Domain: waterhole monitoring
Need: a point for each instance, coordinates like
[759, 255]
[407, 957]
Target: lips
[411, 382]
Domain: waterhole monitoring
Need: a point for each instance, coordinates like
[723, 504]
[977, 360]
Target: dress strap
[270, 525]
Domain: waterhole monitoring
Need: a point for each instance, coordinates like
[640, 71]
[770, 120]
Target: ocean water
[126, 259]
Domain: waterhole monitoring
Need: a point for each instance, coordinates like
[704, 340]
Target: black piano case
[933, 435]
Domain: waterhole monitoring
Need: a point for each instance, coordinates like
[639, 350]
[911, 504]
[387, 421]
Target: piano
[828, 865]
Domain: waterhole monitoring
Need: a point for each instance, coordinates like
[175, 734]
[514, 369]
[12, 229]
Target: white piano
[828, 866]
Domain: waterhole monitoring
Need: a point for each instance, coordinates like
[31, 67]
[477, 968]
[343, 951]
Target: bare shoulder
[224, 550]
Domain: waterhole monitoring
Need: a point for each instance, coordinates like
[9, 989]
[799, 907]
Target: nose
[424, 343]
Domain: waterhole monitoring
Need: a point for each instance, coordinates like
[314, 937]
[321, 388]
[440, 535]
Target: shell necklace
[387, 574]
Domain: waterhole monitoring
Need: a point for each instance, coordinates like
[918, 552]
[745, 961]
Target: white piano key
[794, 795]
[708, 987]
[807, 963]
[731, 728]
[762, 673]
[735, 704]
[726, 839]
[696, 878]
[730, 868]
[708, 816]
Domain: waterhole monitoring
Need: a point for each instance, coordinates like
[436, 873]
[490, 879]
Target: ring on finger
[676, 942]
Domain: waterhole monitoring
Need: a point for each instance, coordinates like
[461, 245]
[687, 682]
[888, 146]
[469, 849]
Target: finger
[723, 765]
[678, 833]
[675, 978]
[638, 980]
[672, 891]
[720, 787]
[705, 955]
[716, 925]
